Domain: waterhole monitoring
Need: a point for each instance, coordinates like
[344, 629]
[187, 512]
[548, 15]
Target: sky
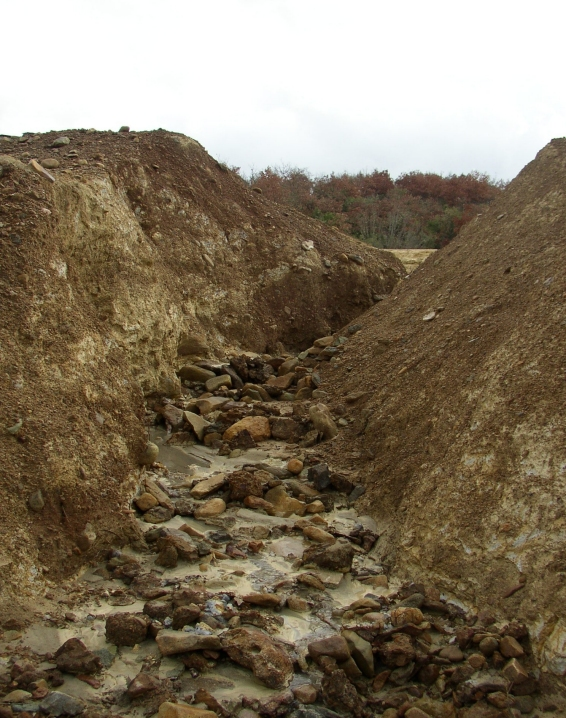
[327, 86]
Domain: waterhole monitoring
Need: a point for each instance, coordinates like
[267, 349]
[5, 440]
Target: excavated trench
[255, 586]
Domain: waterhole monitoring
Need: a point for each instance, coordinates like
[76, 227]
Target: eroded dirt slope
[457, 386]
[144, 251]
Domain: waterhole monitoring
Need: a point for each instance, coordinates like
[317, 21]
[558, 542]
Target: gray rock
[217, 382]
[157, 515]
[36, 501]
[50, 163]
[320, 476]
[60, 704]
[361, 652]
[60, 142]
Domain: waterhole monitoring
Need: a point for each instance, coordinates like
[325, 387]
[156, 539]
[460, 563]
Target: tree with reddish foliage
[417, 210]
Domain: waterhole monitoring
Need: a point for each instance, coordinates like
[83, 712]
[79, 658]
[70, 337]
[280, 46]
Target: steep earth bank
[457, 386]
[142, 253]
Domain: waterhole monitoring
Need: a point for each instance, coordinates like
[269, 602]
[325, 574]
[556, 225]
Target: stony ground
[254, 588]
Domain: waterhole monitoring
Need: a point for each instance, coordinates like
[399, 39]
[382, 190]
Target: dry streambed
[256, 587]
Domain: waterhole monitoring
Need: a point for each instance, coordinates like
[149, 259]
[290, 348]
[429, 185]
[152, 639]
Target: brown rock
[152, 488]
[477, 661]
[510, 647]
[243, 483]
[184, 616]
[287, 366]
[397, 652]
[416, 713]
[401, 616]
[285, 429]
[211, 403]
[338, 693]
[217, 382]
[255, 650]
[254, 502]
[181, 541]
[306, 693]
[429, 674]
[258, 427]
[197, 423]
[270, 600]
[158, 609]
[451, 653]
[181, 710]
[361, 652]
[142, 684]
[208, 486]
[308, 579]
[190, 372]
[126, 629]
[281, 382]
[211, 508]
[313, 533]
[146, 501]
[295, 466]
[172, 642]
[514, 672]
[172, 415]
[315, 507]
[296, 603]
[323, 421]
[337, 557]
[157, 515]
[488, 646]
[150, 454]
[74, 657]
[284, 504]
[335, 647]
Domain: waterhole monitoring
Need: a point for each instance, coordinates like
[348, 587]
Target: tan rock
[255, 502]
[208, 486]
[403, 615]
[305, 694]
[258, 427]
[190, 372]
[514, 672]
[281, 382]
[181, 710]
[315, 507]
[284, 504]
[171, 642]
[197, 423]
[162, 499]
[323, 342]
[211, 403]
[217, 382]
[269, 600]
[296, 603]
[510, 647]
[255, 650]
[295, 466]
[150, 454]
[334, 646]
[377, 581]
[146, 501]
[211, 508]
[313, 533]
[287, 366]
[323, 421]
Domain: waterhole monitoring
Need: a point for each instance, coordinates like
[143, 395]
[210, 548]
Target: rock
[295, 466]
[17, 696]
[157, 515]
[315, 507]
[335, 647]
[158, 610]
[126, 629]
[50, 163]
[36, 501]
[211, 508]
[258, 426]
[197, 423]
[150, 454]
[269, 600]
[514, 672]
[74, 657]
[324, 342]
[337, 557]
[429, 674]
[323, 421]
[142, 684]
[254, 502]
[361, 652]
[255, 650]
[296, 603]
[298, 488]
[416, 713]
[60, 142]
[39, 170]
[510, 647]
[397, 652]
[488, 646]
[146, 501]
[401, 616]
[358, 491]
[320, 476]
[243, 483]
[217, 382]
[180, 541]
[211, 403]
[306, 693]
[284, 505]
[287, 366]
[477, 661]
[191, 345]
[172, 642]
[313, 533]
[190, 372]
[182, 710]
[309, 579]
[185, 615]
[172, 415]
[451, 653]
[339, 693]
[61, 704]
[86, 539]
[164, 500]
[208, 486]
[285, 429]
[184, 507]
[377, 581]
[303, 394]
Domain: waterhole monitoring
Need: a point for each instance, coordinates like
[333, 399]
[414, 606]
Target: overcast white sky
[319, 84]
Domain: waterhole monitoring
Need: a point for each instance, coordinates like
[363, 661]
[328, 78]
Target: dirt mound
[143, 251]
[457, 386]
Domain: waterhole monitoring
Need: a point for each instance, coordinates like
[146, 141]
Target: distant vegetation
[417, 210]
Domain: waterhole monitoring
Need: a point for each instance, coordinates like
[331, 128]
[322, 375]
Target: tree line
[416, 210]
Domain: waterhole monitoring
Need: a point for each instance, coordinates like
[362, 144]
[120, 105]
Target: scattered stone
[126, 629]
[60, 142]
[339, 693]
[315, 507]
[146, 501]
[361, 652]
[320, 476]
[208, 486]
[451, 653]
[323, 421]
[190, 372]
[185, 615]
[254, 502]
[295, 466]
[318, 535]
[401, 616]
[50, 163]
[197, 423]
[36, 501]
[514, 672]
[150, 454]
[258, 427]
[143, 684]
[17, 696]
[211, 508]
[255, 650]
[243, 483]
[172, 642]
[488, 646]
[74, 657]
[510, 647]
[217, 382]
[284, 505]
[269, 600]
[158, 515]
[211, 403]
[61, 704]
[335, 647]
[337, 557]
[296, 603]
[306, 693]
[182, 710]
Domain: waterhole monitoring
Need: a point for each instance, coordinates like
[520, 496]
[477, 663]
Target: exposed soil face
[143, 252]
[457, 386]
